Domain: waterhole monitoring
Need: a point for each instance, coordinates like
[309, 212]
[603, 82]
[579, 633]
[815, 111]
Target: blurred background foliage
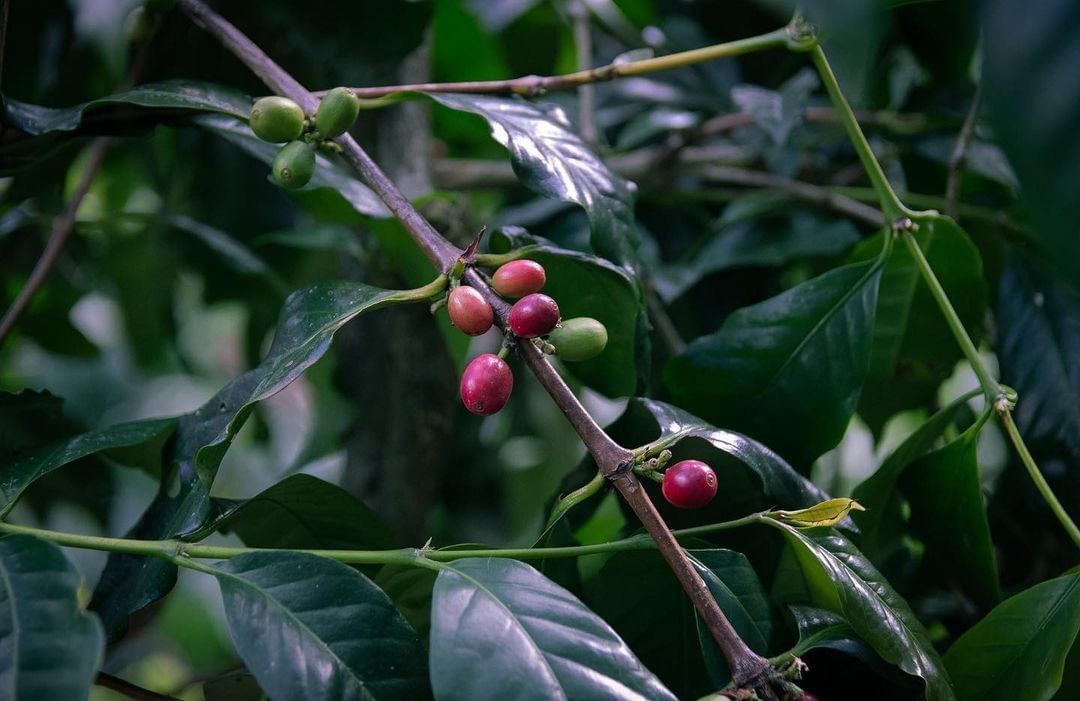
[184, 251]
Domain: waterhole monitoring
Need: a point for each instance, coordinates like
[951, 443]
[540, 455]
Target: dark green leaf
[913, 349]
[305, 328]
[1029, 65]
[787, 371]
[51, 647]
[165, 98]
[947, 509]
[553, 161]
[585, 285]
[839, 579]
[328, 173]
[312, 628]
[881, 522]
[1039, 317]
[19, 474]
[233, 253]
[304, 513]
[1018, 650]
[502, 630]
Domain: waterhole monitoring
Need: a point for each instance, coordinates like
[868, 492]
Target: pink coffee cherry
[469, 311]
[519, 278]
[533, 316]
[689, 484]
[486, 384]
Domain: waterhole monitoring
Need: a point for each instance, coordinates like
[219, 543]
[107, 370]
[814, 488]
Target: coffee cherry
[337, 111]
[486, 384]
[294, 165]
[276, 119]
[534, 315]
[579, 339]
[689, 484]
[468, 311]
[519, 278]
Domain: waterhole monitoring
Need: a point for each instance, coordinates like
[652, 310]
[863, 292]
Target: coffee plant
[763, 319]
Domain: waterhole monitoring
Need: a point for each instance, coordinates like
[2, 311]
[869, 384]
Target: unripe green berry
[294, 165]
[337, 112]
[579, 339]
[137, 25]
[276, 119]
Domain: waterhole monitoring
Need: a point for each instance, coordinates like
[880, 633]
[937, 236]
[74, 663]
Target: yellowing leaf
[827, 513]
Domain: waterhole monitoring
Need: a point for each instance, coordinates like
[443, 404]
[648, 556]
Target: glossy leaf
[553, 161]
[839, 579]
[881, 522]
[304, 513]
[163, 98]
[1018, 650]
[913, 349]
[18, 475]
[501, 630]
[787, 371]
[51, 647]
[655, 617]
[780, 484]
[585, 285]
[309, 627]
[1028, 68]
[1039, 317]
[305, 328]
[328, 173]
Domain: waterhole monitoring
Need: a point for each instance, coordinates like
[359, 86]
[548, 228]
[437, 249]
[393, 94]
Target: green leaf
[328, 173]
[947, 510]
[779, 483]
[500, 630]
[1018, 650]
[839, 579]
[1039, 318]
[18, 475]
[585, 285]
[655, 617]
[161, 100]
[880, 524]
[913, 349]
[828, 513]
[553, 161]
[1028, 68]
[303, 512]
[308, 627]
[51, 647]
[787, 371]
[305, 328]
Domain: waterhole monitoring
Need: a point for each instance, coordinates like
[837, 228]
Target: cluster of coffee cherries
[487, 381]
[279, 120]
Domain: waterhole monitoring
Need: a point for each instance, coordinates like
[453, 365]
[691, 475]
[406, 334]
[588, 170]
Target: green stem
[1037, 477]
[990, 386]
[891, 205]
[574, 498]
[183, 553]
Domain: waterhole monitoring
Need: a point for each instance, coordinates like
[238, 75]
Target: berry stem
[613, 460]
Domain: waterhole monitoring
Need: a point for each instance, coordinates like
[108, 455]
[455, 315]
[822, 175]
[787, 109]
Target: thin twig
[579, 20]
[132, 691]
[612, 459]
[61, 231]
[3, 35]
[959, 154]
[664, 325]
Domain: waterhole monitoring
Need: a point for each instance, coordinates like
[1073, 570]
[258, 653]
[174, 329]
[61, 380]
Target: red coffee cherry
[534, 315]
[468, 311]
[689, 484]
[519, 278]
[486, 384]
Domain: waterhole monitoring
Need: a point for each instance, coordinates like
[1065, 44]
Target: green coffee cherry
[578, 339]
[337, 112]
[137, 25]
[294, 165]
[276, 119]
